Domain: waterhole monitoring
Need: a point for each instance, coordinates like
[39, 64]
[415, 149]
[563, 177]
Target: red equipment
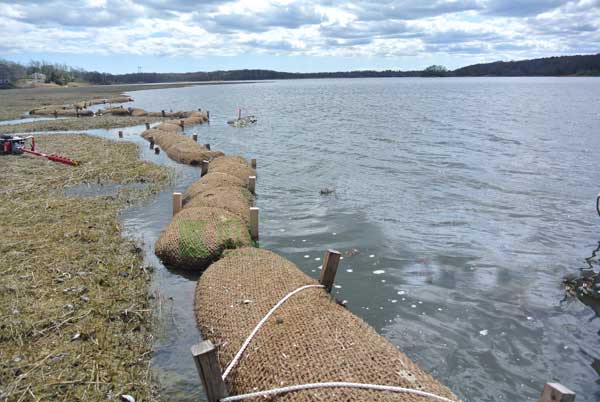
[15, 145]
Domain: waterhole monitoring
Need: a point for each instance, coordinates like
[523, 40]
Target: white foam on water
[378, 272]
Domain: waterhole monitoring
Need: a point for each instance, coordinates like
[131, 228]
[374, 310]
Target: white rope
[260, 324]
[375, 387]
[293, 388]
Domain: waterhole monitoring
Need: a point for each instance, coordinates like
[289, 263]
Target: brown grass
[75, 124]
[15, 102]
[73, 293]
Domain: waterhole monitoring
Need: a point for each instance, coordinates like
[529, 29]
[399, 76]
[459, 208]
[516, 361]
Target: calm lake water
[459, 205]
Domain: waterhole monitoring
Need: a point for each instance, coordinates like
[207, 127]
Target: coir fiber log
[197, 236]
[233, 166]
[308, 339]
[191, 153]
[212, 181]
[168, 126]
[233, 199]
[119, 99]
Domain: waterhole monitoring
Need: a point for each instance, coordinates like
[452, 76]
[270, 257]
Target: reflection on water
[460, 204]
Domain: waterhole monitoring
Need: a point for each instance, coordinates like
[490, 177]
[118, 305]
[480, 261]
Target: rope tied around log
[238, 355]
[300, 387]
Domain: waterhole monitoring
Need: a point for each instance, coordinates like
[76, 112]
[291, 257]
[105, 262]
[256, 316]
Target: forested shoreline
[581, 65]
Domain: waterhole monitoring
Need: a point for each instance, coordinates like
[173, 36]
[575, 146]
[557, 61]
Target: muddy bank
[74, 293]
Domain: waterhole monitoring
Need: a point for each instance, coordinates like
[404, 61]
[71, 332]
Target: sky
[122, 36]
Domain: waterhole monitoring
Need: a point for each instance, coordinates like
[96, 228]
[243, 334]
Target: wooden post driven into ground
[254, 223]
[120, 134]
[204, 168]
[177, 203]
[195, 137]
[329, 269]
[252, 184]
[555, 392]
[253, 163]
[147, 126]
[207, 364]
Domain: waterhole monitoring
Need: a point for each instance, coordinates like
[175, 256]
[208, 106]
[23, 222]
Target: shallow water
[29, 120]
[466, 201]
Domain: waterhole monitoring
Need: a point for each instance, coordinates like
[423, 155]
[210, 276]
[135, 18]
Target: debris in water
[327, 191]
[483, 332]
[241, 122]
[378, 272]
[127, 398]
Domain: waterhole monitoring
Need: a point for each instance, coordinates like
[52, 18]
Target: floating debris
[242, 121]
[327, 191]
[378, 272]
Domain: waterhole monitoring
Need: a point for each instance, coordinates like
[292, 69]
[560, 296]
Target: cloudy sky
[187, 35]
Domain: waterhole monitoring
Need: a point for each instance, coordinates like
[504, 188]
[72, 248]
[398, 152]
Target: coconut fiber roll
[189, 152]
[233, 199]
[212, 181]
[233, 165]
[197, 236]
[309, 339]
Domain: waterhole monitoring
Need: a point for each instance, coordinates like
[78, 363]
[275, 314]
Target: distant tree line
[62, 74]
[550, 66]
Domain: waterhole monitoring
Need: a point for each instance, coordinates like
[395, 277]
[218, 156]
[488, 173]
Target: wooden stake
[157, 150]
[204, 168]
[163, 113]
[254, 223]
[151, 144]
[147, 126]
[555, 392]
[182, 124]
[207, 146]
[253, 163]
[177, 203]
[195, 137]
[207, 364]
[120, 134]
[330, 265]
[252, 184]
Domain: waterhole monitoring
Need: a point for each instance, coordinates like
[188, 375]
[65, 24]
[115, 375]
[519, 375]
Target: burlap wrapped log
[154, 114]
[191, 153]
[137, 112]
[49, 109]
[169, 139]
[310, 338]
[233, 199]
[168, 126]
[96, 101]
[85, 112]
[119, 99]
[211, 181]
[197, 236]
[190, 121]
[233, 165]
[151, 134]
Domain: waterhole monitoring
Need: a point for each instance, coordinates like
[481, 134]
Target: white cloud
[483, 29]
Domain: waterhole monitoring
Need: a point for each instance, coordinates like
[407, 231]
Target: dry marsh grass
[15, 102]
[76, 317]
[76, 124]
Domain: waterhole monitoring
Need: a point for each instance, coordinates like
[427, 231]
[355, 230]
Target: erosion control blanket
[309, 339]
